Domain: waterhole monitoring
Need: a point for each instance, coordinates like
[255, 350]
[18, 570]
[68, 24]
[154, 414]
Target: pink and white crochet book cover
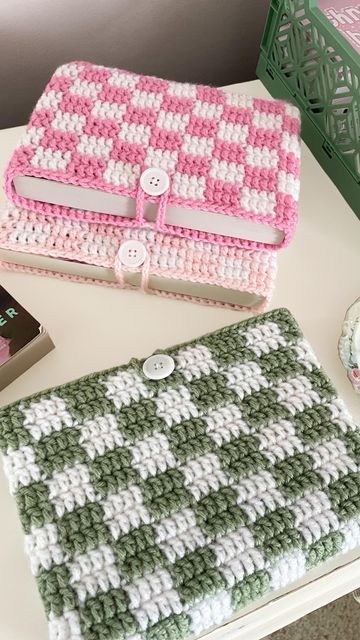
[226, 153]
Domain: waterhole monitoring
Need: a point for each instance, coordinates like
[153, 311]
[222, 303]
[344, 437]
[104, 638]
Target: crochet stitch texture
[100, 128]
[153, 510]
[177, 258]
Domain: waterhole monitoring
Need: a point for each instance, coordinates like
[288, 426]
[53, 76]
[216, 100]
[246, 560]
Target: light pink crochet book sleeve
[170, 257]
[225, 153]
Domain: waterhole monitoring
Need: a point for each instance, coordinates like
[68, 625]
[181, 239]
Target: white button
[154, 181]
[132, 253]
[158, 366]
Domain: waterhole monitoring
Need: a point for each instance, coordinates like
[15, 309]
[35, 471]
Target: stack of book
[133, 181]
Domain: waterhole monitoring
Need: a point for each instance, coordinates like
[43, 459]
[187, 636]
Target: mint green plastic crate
[305, 60]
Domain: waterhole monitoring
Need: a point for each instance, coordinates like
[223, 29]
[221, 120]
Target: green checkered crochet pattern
[154, 510]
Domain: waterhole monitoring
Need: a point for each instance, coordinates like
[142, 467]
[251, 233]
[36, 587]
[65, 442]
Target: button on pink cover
[225, 153]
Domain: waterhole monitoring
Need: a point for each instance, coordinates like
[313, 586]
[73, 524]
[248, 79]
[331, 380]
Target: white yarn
[20, 467]
[262, 157]
[290, 143]
[264, 338]
[99, 147]
[296, 394]
[32, 136]
[204, 475]
[65, 627]
[210, 612]
[189, 187]
[123, 80]
[153, 596]
[43, 549]
[125, 387]
[314, 516]
[243, 565]
[227, 171]
[42, 417]
[278, 440]
[100, 435]
[175, 405]
[152, 455]
[208, 110]
[122, 174]
[85, 89]
[305, 354]
[233, 133]
[108, 110]
[124, 511]
[182, 90]
[340, 415]
[258, 494]
[94, 571]
[135, 133]
[193, 362]
[269, 121]
[146, 99]
[351, 534]
[287, 569]
[162, 159]
[171, 121]
[245, 379]
[71, 488]
[331, 460]
[50, 160]
[68, 122]
[225, 424]
[198, 145]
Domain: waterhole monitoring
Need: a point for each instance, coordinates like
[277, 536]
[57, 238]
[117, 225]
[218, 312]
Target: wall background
[208, 41]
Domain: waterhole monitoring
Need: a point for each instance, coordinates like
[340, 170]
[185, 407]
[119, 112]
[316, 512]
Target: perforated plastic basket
[305, 60]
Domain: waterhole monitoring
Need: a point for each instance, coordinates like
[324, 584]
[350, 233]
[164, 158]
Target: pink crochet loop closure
[224, 153]
[139, 210]
[164, 256]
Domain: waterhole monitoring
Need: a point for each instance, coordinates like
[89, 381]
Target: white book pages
[69, 195]
[196, 289]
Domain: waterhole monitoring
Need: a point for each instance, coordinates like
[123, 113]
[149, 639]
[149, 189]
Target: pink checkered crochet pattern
[99, 128]
[170, 257]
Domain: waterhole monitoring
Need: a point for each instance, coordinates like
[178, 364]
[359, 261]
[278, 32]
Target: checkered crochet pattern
[154, 510]
[235, 268]
[100, 128]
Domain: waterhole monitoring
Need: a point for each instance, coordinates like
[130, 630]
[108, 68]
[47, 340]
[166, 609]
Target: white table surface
[95, 327]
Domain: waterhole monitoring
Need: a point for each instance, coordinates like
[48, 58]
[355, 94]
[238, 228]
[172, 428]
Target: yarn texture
[157, 509]
[226, 153]
[169, 256]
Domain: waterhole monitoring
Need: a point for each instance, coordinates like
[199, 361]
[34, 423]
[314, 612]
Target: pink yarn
[168, 256]
[227, 153]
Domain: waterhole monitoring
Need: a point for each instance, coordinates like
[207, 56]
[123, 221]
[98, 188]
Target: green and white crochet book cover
[155, 510]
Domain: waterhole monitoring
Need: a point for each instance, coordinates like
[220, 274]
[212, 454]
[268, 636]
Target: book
[102, 275]
[98, 201]
[98, 253]
[23, 340]
[112, 147]
[345, 16]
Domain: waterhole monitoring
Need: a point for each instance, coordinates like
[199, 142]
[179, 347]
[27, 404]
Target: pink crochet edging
[226, 153]
[8, 266]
